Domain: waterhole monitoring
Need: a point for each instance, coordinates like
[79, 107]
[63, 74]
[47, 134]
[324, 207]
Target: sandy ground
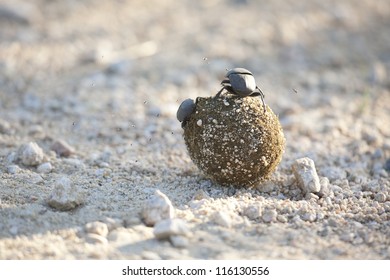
[107, 77]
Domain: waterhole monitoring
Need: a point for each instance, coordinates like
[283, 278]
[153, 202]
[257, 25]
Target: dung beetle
[185, 110]
[240, 81]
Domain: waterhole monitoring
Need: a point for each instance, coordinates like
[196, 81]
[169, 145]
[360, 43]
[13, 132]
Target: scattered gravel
[157, 208]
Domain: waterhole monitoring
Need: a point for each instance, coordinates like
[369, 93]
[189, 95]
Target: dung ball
[233, 140]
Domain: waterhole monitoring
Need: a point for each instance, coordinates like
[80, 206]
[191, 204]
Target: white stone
[97, 227]
[269, 215]
[199, 122]
[157, 208]
[380, 197]
[325, 189]
[179, 241]
[62, 148]
[169, 227]
[13, 169]
[45, 167]
[222, 218]
[95, 238]
[306, 175]
[252, 212]
[65, 195]
[31, 154]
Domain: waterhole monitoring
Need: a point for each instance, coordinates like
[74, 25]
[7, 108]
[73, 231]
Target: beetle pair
[238, 81]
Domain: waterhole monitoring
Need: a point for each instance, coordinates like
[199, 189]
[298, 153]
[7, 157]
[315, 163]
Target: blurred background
[89, 67]
[106, 78]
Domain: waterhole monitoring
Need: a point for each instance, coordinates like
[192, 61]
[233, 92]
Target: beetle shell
[242, 83]
[185, 110]
[238, 71]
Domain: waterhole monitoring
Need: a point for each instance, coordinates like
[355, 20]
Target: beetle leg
[261, 96]
[219, 92]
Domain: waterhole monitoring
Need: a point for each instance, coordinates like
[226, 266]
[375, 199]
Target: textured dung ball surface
[233, 141]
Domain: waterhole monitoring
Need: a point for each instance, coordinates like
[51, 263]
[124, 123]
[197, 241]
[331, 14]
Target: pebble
[112, 223]
[306, 175]
[325, 190]
[65, 195]
[309, 217]
[252, 212]
[223, 219]
[13, 169]
[62, 148]
[157, 208]
[149, 255]
[97, 227]
[95, 238]
[45, 167]
[30, 154]
[169, 227]
[380, 197]
[179, 241]
[269, 215]
[282, 219]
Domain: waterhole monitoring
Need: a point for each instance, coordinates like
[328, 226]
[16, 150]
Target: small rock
[309, 217]
[62, 149]
[65, 195]
[30, 154]
[281, 219]
[112, 223]
[222, 219]
[98, 228]
[149, 255]
[310, 196]
[13, 169]
[95, 238]
[252, 212]
[179, 241]
[269, 215]
[380, 197]
[306, 175]
[45, 167]
[169, 227]
[157, 208]
[325, 190]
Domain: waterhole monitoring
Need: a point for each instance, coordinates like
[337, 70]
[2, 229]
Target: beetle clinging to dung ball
[240, 81]
[233, 138]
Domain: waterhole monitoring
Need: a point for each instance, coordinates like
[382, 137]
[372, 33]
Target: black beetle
[185, 110]
[240, 81]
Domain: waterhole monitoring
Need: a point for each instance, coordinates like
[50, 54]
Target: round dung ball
[233, 140]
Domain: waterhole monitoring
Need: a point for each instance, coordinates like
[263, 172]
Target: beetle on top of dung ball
[235, 140]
